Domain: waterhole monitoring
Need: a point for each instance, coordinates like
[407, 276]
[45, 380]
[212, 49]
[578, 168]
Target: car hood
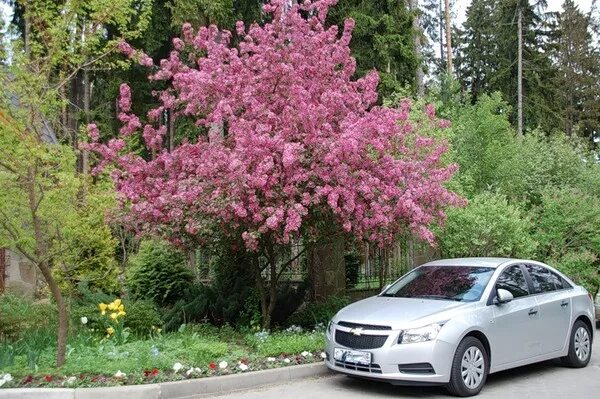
[400, 313]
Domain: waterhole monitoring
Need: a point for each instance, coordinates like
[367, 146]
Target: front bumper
[387, 360]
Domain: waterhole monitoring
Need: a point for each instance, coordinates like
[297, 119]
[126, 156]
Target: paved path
[547, 380]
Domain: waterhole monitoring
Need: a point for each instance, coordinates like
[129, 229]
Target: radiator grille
[350, 340]
[363, 326]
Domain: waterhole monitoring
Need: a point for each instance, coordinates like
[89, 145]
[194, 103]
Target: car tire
[580, 346]
[468, 381]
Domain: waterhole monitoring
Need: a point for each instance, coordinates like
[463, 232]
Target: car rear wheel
[470, 368]
[580, 346]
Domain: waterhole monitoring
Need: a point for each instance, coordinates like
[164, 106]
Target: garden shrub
[142, 316]
[90, 250]
[568, 230]
[318, 312]
[581, 267]
[487, 226]
[158, 273]
[20, 316]
[230, 299]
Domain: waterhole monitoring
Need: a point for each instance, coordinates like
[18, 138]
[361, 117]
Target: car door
[514, 331]
[554, 306]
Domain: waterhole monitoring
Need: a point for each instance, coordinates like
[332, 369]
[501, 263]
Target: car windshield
[451, 283]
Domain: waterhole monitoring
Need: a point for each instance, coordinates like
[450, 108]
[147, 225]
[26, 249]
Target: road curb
[188, 389]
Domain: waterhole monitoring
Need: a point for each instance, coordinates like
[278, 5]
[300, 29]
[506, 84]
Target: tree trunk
[63, 317]
[420, 86]
[41, 260]
[448, 37]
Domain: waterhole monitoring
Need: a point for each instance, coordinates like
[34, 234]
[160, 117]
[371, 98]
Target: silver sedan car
[454, 321]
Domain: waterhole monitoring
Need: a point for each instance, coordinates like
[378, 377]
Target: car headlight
[420, 334]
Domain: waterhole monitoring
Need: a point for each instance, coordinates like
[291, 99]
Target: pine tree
[578, 63]
[488, 58]
[383, 39]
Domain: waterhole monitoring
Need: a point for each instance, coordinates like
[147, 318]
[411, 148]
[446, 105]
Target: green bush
[318, 312]
[90, 250]
[568, 230]
[487, 226]
[20, 316]
[581, 267]
[158, 273]
[142, 316]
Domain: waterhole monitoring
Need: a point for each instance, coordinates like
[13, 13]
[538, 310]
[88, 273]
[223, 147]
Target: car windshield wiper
[441, 297]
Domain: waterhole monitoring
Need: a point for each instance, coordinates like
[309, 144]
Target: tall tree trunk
[448, 26]
[520, 72]
[420, 86]
[63, 317]
[42, 262]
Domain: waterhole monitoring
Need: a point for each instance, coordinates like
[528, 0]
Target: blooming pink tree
[293, 142]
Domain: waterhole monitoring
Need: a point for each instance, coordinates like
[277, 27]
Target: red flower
[48, 378]
[212, 365]
[151, 373]
[27, 380]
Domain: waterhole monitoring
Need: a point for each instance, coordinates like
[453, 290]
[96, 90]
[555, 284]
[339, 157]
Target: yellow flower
[114, 316]
[121, 313]
[110, 330]
[121, 308]
[117, 302]
[102, 306]
[111, 306]
[103, 312]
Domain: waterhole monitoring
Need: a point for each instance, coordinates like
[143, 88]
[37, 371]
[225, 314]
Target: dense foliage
[158, 273]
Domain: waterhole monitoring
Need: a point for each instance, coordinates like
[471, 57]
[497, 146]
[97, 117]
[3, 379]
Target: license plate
[352, 356]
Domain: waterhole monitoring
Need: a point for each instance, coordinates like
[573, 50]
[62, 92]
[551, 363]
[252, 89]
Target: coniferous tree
[578, 62]
[382, 39]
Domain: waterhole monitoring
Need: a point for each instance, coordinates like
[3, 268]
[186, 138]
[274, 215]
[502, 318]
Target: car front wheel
[470, 368]
[580, 346]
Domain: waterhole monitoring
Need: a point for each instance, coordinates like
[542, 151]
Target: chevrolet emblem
[357, 331]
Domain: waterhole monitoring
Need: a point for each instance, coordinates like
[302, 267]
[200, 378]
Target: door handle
[564, 304]
[532, 312]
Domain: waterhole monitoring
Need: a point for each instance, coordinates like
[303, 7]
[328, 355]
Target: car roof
[486, 262]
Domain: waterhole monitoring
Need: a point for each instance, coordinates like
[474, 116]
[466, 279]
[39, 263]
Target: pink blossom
[125, 48]
[294, 137]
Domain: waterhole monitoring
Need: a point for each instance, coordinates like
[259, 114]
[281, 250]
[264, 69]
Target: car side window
[513, 280]
[543, 280]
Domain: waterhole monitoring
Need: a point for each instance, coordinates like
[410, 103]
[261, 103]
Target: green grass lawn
[196, 351]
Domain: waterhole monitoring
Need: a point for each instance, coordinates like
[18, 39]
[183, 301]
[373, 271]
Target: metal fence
[380, 266]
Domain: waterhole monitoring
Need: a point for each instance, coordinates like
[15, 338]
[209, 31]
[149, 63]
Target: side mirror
[503, 296]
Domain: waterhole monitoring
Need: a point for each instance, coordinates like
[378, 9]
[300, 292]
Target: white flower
[286, 360]
[323, 355]
[70, 380]
[305, 354]
[193, 370]
[177, 366]
[7, 377]
[243, 366]
[271, 359]
[120, 374]
[223, 365]
[84, 320]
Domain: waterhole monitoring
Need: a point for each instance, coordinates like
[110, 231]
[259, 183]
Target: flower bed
[194, 352]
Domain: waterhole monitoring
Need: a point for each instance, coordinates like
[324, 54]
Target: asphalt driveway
[546, 380]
